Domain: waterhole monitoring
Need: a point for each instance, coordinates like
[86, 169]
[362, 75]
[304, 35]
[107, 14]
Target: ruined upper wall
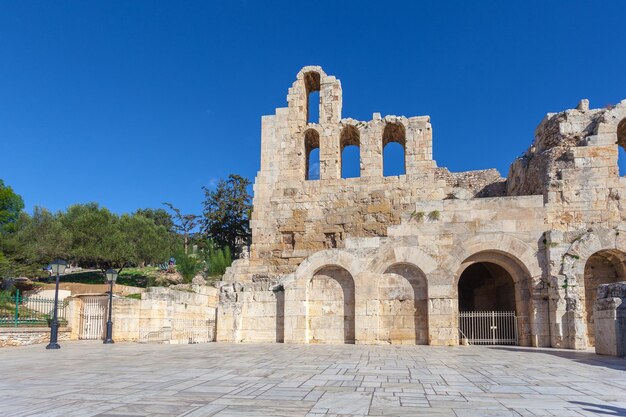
[555, 137]
[294, 216]
[573, 163]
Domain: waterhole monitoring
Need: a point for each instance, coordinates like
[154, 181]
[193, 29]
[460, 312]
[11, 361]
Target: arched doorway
[488, 304]
[330, 306]
[403, 298]
[603, 267]
[486, 286]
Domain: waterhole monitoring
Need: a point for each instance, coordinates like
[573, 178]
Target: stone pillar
[610, 320]
[228, 326]
[295, 322]
[443, 322]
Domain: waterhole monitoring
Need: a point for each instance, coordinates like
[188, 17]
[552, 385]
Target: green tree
[11, 205]
[34, 242]
[184, 223]
[216, 259]
[147, 242]
[159, 216]
[187, 265]
[227, 212]
[97, 237]
[40, 238]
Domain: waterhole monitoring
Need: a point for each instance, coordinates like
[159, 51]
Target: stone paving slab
[125, 379]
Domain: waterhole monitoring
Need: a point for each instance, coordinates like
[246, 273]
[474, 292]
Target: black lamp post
[111, 275]
[58, 267]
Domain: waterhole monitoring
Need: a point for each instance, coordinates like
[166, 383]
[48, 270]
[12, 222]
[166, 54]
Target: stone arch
[394, 132]
[311, 143]
[600, 248]
[312, 84]
[607, 266]
[297, 285]
[312, 79]
[515, 257]
[349, 137]
[403, 305]
[330, 299]
[611, 129]
[323, 258]
[391, 254]
[513, 249]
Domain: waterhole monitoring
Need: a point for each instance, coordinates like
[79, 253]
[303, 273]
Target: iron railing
[181, 331]
[31, 310]
[489, 327]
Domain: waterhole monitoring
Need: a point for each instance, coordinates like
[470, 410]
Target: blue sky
[133, 103]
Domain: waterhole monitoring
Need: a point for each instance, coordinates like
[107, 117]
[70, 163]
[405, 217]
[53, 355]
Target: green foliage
[216, 259]
[86, 235]
[418, 216]
[11, 205]
[227, 212]
[149, 242]
[134, 277]
[184, 223]
[434, 215]
[134, 296]
[159, 216]
[187, 265]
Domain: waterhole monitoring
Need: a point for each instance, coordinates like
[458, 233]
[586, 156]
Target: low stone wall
[165, 312]
[22, 336]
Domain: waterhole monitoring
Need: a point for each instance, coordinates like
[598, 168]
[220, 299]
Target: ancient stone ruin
[399, 259]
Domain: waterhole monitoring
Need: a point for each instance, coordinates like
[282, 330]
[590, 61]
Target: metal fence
[488, 327]
[181, 331]
[32, 310]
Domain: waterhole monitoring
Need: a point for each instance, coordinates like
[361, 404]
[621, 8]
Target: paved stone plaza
[89, 378]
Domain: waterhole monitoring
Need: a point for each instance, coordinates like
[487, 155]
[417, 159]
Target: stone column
[610, 320]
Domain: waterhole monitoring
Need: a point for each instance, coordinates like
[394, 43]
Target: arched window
[350, 146]
[394, 142]
[621, 148]
[312, 154]
[312, 84]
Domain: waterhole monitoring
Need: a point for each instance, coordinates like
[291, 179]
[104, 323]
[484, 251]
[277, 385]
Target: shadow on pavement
[608, 410]
[586, 357]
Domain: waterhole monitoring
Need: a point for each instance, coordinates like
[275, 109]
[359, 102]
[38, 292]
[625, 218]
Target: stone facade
[162, 314]
[392, 259]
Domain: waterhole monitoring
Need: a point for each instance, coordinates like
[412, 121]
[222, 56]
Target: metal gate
[488, 327]
[181, 331]
[93, 318]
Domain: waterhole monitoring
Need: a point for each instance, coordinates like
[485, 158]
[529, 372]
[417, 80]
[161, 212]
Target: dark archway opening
[485, 286]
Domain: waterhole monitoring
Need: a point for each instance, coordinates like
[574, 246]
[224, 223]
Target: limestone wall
[159, 310]
[22, 336]
[378, 259]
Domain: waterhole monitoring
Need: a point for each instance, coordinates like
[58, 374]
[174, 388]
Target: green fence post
[17, 305]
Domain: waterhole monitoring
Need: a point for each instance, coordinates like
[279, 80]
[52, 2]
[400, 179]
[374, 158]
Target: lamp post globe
[111, 277]
[58, 267]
